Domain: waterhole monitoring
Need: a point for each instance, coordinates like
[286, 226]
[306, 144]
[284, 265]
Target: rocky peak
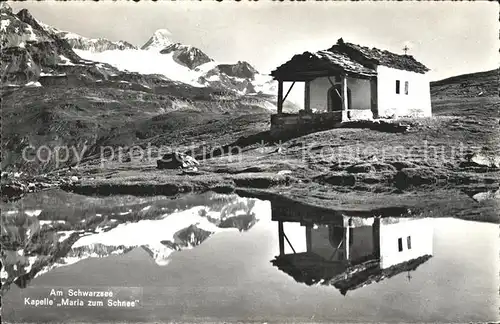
[160, 39]
[173, 47]
[186, 55]
[240, 76]
[18, 29]
[25, 16]
[241, 69]
[5, 8]
[30, 47]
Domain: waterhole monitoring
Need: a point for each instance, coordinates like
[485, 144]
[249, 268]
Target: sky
[450, 38]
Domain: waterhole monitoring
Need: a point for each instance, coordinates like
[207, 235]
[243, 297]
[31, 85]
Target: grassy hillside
[480, 84]
[91, 116]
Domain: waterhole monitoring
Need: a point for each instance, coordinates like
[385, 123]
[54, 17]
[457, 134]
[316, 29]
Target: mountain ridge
[159, 55]
[93, 44]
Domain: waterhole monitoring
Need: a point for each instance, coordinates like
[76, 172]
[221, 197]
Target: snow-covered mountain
[158, 41]
[34, 50]
[184, 63]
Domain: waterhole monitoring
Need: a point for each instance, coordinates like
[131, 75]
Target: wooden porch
[334, 73]
[310, 120]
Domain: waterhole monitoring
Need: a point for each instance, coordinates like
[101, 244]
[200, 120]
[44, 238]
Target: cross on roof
[406, 49]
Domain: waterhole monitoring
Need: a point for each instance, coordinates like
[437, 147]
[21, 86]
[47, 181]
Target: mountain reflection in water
[290, 263]
[32, 246]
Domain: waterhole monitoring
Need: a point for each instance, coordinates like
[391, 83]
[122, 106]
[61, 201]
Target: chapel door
[335, 98]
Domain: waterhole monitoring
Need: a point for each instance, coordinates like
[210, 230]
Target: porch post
[374, 98]
[346, 242]
[308, 238]
[280, 97]
[307, 96]
[345, 98]
[281, 236]
[376, 236]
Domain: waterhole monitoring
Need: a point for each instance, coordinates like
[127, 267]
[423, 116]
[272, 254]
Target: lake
[230, 276]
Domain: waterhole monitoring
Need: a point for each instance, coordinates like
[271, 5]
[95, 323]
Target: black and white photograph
[250, 161]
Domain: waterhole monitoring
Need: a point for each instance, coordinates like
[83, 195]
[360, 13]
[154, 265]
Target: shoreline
[368, 193]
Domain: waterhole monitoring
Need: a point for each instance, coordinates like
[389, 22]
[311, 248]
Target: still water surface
[230, 277]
